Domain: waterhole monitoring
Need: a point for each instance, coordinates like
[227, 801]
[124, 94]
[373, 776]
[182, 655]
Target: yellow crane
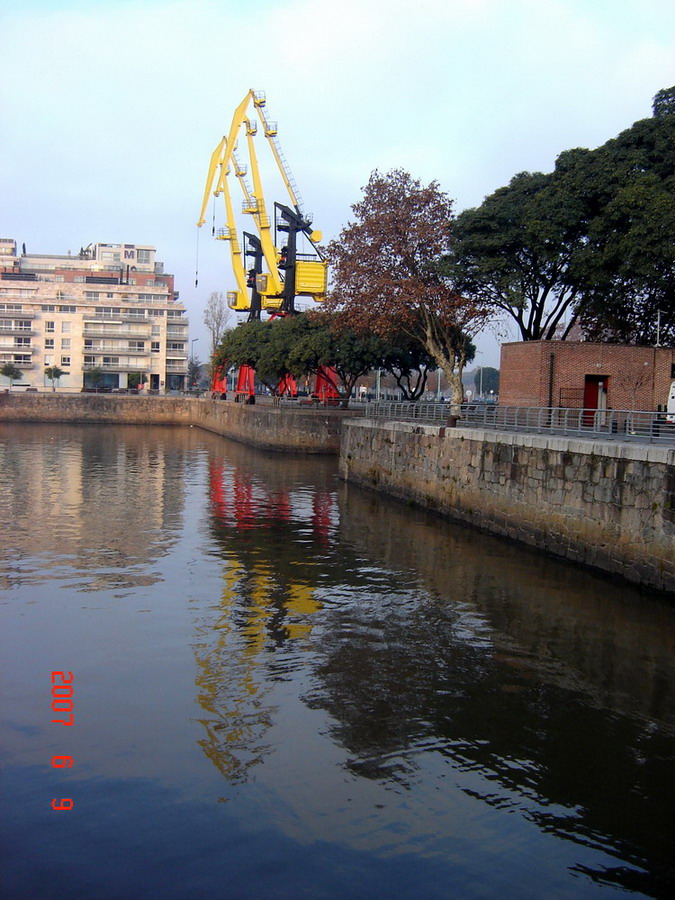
[278, 275]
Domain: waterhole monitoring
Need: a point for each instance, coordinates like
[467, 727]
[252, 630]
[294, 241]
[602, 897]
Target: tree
[246, 345]
[9, 370]
[135, 379]
[216, 316]
[53, 373]
[590, 242]
[629, 283]
[518, 251]
[486, 380]
[409, 363]
[301, 345]
[94, 377]
[194, 371]
[386, 274]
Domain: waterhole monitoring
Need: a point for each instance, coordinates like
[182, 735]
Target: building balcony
[15, 313]
[16, 329]
[122, 332]
[176, 368]
[127, 366]
[22, 364]
[116, 349]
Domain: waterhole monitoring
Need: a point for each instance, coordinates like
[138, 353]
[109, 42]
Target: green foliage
[590, 242]
[94, 377]
[9, 370]
[486, 379]
[53, 373]
[135, 378]
[299, 345]
[409, 363]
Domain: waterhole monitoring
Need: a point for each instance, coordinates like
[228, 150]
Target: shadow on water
[371, 681]
[554, 685]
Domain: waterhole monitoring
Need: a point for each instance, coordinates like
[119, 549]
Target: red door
[595, 396]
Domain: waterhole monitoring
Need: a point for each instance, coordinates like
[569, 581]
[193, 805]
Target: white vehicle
[670, 409]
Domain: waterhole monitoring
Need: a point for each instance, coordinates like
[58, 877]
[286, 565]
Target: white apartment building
[108, 317]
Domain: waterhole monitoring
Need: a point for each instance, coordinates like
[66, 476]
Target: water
[285, 687]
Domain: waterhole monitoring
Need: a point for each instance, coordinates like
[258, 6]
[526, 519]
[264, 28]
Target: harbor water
[275, 685]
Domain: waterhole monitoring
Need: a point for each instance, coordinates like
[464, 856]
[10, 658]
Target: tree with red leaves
[386, 278]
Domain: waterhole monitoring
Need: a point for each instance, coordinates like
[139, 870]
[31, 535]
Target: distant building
[584, 375]
[108, 316]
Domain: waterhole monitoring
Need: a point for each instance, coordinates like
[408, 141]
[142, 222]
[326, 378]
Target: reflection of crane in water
[262, 608]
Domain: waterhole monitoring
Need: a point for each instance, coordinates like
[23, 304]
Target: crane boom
[288, 273]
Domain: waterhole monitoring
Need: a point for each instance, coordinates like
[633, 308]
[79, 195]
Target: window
[48, 359]
[65, 327]
[49, 326]
[137, 345]
[22, 357]
[21, 342]
[49, 343]
[88, 344]
[65, 343]
[67, 309]
[154, 346]
[143, 256]
[65, 360]
[156, 330]
[79, 279]
[92, 295]
[49, 309]
[111, 360]
[155, 312]
[174, 345]
[90, 360]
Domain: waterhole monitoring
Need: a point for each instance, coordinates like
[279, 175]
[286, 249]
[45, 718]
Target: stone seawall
[301, 429]
[607, 505]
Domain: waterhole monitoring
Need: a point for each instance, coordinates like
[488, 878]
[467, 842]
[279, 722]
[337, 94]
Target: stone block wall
[302, 430]
[607, 505]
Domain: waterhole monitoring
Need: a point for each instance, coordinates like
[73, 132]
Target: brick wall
[635, 377]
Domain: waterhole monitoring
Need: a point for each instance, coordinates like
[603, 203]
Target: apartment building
[107, 317]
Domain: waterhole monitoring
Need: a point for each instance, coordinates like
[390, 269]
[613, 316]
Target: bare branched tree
[216, 316]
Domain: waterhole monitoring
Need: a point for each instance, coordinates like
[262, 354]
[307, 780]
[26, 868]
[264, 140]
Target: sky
[109, 111]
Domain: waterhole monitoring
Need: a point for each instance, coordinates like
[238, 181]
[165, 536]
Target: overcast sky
[109, 111]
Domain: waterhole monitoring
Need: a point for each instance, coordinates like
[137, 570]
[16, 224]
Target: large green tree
[591, 242]
[301, 345]
[628, 276]
[386, 275]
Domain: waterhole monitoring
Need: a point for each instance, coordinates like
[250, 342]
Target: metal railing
[606, 424]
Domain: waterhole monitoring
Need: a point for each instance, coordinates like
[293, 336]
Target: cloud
[111, 111]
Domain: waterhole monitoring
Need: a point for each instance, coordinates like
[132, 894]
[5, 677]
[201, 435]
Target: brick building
[109, 316]
[582, 375]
